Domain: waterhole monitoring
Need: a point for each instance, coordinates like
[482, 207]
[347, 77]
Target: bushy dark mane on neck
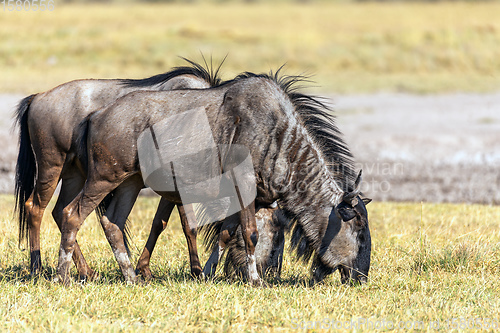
[207, 73]
[319, 121]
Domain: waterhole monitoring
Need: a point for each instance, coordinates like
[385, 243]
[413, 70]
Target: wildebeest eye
[346, 213]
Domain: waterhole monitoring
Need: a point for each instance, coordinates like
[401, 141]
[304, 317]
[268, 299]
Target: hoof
[130, 276]
[197, 273]
[89, 277]
[145, 273]
[92, 275]
[201, 277]
[131, 280]
[65, 281]
[36, 263]
[35, 272]
[256, 282]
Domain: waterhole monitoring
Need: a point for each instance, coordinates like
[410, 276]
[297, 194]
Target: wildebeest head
[346, 244]
[271, 225]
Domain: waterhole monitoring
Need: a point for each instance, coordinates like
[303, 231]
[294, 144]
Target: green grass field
[430, 264]
[348, 47]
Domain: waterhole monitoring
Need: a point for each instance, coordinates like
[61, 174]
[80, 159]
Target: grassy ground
[430, 263]
[350, 47]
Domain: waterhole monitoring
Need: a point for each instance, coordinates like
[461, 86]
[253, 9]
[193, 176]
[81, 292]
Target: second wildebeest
[48, 124]
[291, 141]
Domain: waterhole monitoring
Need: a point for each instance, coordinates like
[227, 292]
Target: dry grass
[350, 47]
[430, 263]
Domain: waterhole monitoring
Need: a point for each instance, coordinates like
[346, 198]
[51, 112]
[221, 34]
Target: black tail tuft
[210, 234]
[206, 214]
[25, 168]
[103, 206]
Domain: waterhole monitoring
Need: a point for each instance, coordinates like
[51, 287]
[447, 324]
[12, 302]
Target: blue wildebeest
[271, 225]
[296, 155]
[48, 123]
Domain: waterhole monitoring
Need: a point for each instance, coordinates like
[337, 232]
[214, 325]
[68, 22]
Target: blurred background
[415, 86]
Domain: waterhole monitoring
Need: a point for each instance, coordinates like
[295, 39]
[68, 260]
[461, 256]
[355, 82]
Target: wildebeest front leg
[160, 222]
[250, 236]
[228, 230]
[189, 226]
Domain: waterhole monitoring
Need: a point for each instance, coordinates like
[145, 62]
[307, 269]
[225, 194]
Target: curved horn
[357, 183]
[350, 196]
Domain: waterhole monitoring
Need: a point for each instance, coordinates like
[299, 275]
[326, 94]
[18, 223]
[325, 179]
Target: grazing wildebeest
[48, 123]
[319, 123]
[271, 225]
[289, 140]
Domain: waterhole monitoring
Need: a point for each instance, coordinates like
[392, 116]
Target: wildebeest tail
[25, 167]
[205, 215]
[82, 142]
[236, 256]
[210, 234]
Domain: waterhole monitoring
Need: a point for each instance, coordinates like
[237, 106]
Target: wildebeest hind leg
[113, 223]
[72, 183]
[160, 222]
[45, 186]
[189, 226]
[74, 214]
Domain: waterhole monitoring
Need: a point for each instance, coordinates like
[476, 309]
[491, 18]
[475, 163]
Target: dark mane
[207, 73]
[319, 121]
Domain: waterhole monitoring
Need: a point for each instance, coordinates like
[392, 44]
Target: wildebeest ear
[346, 213]
[366, 201]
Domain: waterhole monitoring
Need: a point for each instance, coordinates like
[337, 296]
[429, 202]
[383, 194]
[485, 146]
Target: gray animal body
[48, 131]
[280, 129]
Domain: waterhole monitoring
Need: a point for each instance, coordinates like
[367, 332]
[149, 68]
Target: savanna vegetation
[430, 263]
[347, 46]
